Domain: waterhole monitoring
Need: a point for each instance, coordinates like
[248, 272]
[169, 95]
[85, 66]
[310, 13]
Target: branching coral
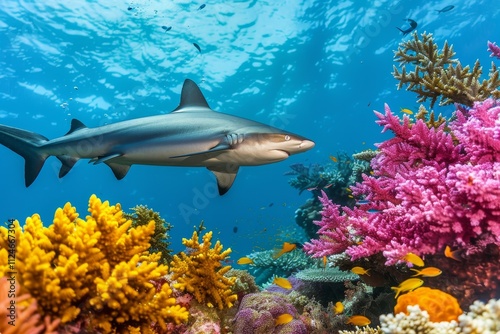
[142, 215]
[437, 74]
[99, 265]
[427, 191]
[200, 272]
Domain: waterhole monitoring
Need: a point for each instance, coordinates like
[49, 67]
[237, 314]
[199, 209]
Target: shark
[191, 135]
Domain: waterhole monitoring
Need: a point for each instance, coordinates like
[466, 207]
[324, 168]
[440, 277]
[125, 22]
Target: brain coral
[440, 305]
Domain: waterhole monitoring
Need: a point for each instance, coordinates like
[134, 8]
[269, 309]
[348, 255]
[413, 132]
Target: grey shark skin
[191, 135]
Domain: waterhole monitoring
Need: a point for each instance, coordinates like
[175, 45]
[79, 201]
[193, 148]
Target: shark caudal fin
[26, 144]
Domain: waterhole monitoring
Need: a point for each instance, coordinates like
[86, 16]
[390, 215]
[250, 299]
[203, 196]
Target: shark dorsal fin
[191, 96]
[75, 125]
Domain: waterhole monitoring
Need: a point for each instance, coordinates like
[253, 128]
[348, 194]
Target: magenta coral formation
[430, 188]
[494, 49]
[258, 312]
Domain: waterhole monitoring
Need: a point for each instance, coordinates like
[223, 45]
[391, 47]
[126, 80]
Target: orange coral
[440, 305]
[200, 272]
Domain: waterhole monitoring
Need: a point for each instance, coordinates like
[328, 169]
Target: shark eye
[287, 137]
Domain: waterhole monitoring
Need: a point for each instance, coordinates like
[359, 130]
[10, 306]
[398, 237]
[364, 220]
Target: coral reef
[430, 189]
[19, 314]
[326, 275]
[265, 265]
[258, 311]
[200, 272]
[244, 283]
[142, 215]
[99, 267]
[439, 305]
[437, 74]
[424, 193]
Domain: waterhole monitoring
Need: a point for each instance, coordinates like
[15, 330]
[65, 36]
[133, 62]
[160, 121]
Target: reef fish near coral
[191, 135]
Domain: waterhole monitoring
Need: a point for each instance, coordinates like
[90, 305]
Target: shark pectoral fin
[105, 158]
[219, 147]
[67, 163]
[225, 176]
[119, 170]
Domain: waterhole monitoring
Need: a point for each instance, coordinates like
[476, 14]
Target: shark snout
[306, 145]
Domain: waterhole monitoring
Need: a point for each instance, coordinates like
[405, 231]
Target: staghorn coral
[19, 313]
[200, 272]
[439, 305]
[142, 215]
[438, 75]
[97, 266]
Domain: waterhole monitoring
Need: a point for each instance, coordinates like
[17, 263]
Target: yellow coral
[440, 305]
[77, 267]
[201, 273]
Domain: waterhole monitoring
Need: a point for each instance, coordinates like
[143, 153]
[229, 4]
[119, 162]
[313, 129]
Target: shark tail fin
[27, 144]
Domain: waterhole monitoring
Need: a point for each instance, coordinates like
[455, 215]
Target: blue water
[316, 68]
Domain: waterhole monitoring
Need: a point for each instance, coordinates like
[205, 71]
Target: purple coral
[258, 311]
[494, 49]
[429, 189]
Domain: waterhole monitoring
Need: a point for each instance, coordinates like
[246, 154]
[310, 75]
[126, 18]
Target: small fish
[282, 282]
[201, 7]
[325, 260]
[412, 27]
[197, 47]
[338, 308]
[348, 190]
[360, 271]
[408, 285]
[407, 111]
[244, 260]
[271, 204]
[287, 247]
[445, 9]
[283, 319]
[372, 211]
[311, 189]
[328, 186]
[427, 272]
[414, 259]
[130, 8]
[452, 254]
[332, 158]
[166, 28]
[358, 320]
[235, 229]
[362, 202]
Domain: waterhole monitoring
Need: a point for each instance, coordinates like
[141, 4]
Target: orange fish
[427, 272]
[332, 158]
[283, 319]
[407, 285]
[282, 283]
[414, 259]
[358, 320]
[244, 260]
[338, 308]
[324, 261]
[452, 254]
[360, 271]
[287, 247]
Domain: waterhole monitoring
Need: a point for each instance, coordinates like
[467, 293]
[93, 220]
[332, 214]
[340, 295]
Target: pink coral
[429, 189]
[494, 49]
